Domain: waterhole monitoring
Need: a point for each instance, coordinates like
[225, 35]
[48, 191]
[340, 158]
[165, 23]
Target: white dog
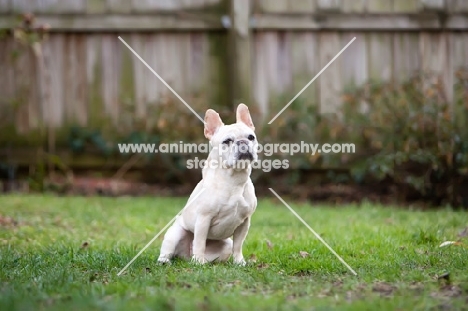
[223, 201]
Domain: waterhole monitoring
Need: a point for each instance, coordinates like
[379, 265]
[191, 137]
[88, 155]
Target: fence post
[241, 72]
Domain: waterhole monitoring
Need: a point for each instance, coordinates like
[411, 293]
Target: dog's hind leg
[176, 242]
[218, 250]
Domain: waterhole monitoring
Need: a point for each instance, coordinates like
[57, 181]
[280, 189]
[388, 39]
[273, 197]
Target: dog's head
[236, 143]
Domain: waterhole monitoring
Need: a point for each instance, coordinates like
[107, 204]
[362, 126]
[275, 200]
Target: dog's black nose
[243, 146]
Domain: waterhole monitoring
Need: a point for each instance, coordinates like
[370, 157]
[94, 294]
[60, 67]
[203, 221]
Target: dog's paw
[200, 260]
[240, 261]
[164, 261]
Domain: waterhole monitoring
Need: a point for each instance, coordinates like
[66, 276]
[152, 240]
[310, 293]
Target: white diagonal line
[315, 233]
[162, 80]
[159, 233]
[310, 82]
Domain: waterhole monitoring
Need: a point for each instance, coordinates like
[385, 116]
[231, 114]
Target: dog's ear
[243, 115]
[212, 123]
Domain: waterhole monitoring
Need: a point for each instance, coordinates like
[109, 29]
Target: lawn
[65, 253]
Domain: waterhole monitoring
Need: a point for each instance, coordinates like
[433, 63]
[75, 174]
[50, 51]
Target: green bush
[415, 138]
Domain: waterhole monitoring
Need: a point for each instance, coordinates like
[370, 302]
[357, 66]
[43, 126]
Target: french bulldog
[222, 204]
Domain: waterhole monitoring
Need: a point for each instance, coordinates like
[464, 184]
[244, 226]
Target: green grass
[45, 266]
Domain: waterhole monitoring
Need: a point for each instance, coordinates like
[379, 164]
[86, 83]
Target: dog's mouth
[245, 156]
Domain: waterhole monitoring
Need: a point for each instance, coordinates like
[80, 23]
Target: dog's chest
[231, 215]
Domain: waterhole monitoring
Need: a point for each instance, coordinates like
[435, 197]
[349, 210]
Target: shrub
[414, 137]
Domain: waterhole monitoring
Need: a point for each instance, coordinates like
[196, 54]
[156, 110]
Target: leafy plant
[412, 137]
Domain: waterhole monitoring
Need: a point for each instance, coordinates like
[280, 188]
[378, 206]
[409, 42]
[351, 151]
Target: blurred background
[70, 91]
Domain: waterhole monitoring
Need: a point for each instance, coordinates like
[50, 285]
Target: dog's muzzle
[243, 150]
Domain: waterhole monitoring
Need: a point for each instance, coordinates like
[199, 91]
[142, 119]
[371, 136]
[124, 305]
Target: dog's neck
[213, 175]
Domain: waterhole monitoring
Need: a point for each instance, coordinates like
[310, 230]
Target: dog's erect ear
[243, 115]
[212, 123]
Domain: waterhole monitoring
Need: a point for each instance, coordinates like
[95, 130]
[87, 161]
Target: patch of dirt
[383, 288]
[8, 222]
[90, 186]
[448, 291]
[331, 193]
[417, 287]
[308, 189]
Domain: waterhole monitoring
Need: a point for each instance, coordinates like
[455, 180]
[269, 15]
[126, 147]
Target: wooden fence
[218, 51]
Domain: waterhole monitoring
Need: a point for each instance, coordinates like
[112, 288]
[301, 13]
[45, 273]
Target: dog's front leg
[239, 236]
[202, 226]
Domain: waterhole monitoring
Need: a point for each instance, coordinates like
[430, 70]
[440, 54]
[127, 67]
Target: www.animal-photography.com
[233, 155]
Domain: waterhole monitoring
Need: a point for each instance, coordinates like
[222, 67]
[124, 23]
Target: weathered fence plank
[330, 80]
[119, 6]
[380, 56]
[152, 5]
[137, 41]
[241, 62]
[406, 6]
[268, 6]
[7, 78]
[406, 56]
[54, 108]
[5, 6]
[111, 75]
[302, 6]
[460, 50]
[284, 62]
[271, 66]
[459, 6]
[433, 5]
[304, 65]
[198, 47]
[380, 6]
[94, 80]
[75, 80]
[356, 6]
[151, 50]
[354, 60]
[24, 87]
[260, 83]
[48, 6]
[329, 5]
[96, 6]
[435, 51]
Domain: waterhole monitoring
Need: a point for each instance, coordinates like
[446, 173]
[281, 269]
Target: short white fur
[204, 229]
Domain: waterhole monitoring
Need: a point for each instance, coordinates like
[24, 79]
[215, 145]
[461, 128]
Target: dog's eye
[227, 141]
[251, 137]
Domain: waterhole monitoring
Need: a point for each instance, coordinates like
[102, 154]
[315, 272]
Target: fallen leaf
[304, 254]
[269, 244]
[447, 243]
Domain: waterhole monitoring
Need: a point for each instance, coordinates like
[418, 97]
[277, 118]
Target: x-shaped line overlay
[198, 116]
